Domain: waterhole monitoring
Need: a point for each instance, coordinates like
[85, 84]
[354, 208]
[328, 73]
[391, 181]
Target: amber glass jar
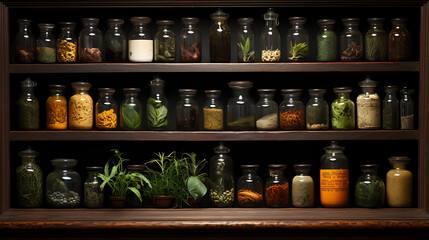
[56, 108]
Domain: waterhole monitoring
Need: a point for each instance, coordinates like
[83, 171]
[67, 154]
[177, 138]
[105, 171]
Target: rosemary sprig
[374, 49]
[244, 47]
[298, 52]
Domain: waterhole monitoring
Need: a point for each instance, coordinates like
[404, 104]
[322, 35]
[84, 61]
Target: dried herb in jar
[298, 51]
[249, 198]
[90, 55]
[106, 119]
[191, 53]
[291, 120]
[157, 114]
[213, 118]
[46, 54]
[354, 52]
[130, 117]
[277, 195]
[29, 180]
[223, 198]
[245, 51]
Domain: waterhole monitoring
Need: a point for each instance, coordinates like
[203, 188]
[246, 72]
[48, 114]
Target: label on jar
[334, 187]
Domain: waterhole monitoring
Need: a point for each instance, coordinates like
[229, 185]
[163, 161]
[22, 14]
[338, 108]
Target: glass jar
[106, 110]
[399, 41]
[140, 41]
[220, 38]
[29, 180]
[376, 41]
[93, 195]
[28, 106]
[63, 185]
[67, 43]
[81, 108]
[165, 42]
[90, 41]
[368, 106]
[326, 41]
[25, 46]
[46, 44]
[406, 108]
[399, 183]
[115, 41]
[317, 110]
[292, 116]
[351, 41]
[277, 187]
[131, 114]
[222, 176]
[334, 177]
[267, 111]
[190, 41]
[213, 111]
[298, 47]
[302, 186]
[245, 41]
[240, 108]
[250, 187]
[343, 109]
[132, 200]
[187, 110]
[390, 108]
[157, 106]
[56, 108]
[270, 38]
[369, 190]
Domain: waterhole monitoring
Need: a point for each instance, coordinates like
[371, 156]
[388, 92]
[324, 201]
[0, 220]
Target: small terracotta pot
[194, 203]
[163, 201]
[118, 202]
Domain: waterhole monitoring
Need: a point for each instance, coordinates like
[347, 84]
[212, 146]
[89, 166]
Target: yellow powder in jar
[56, 113]
[106, 120]
[213, 119]
[80, 112]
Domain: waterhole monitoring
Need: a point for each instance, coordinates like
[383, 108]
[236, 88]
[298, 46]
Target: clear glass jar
[132, 200]
[240, 108]
[222, 176]
[93, 195]
[46, 44]
[270, 38]
[250, 187]
[25, 45]
[351, 41]
[131, 111]
[292, 110]
[302, 186]
[334, 177]
[399, 183]
[157, 106]
[90, 41]
[343, 109]
[326, 41]
[317, 110]
[369, 190]
[165, 42]
[190, 41]
[67, 43]
[140, 41]
[213, 111]
[220, 38]
[276, 187]
[399, 41]
[267, 111]
[406, 108]
[245, 41]
[106, 110]
[298, 47]
[28, 106]
[390, 108]
[29, 180]
[115, 41]
[63, 185]
[56, 108]
[187, 110]
[376, 41]
[81, 107]
[368, 106]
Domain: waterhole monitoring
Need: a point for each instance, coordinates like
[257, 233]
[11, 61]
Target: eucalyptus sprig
[244, 47]
[298, 52]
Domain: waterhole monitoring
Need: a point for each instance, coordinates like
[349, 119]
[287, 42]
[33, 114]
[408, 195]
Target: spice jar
[317, 110]
[187, 110]
[132, 200]
[190, 41]
[81, 107]
[267, 111]
[369, 190]
[25, 46]
[29, 180]
[298, 47]
[28, 106]
[140, 41]
[131, 114]
[351, 41]
[292, 109]
[46, 44]
[399, 183]
[67, 43]
[399, 41]
[63, 185]
[220, 39]
[406, 108]
[250, 188]
[368, 106]
[376, 41]
[213, 111]
[56, 108]
[277, 187]
[93, 195]
[157, 106]
[326, 41]
[115, 41]
[90, 41]
[343, 109]
[240, 108]
[270, 38]
[334, 177]
[165, 42]
[390, 108]
[302, 186]
[245, 41]
[222, 176]
[106, 110]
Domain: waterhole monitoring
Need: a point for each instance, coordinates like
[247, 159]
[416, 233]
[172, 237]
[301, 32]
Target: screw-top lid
[317, 90]
[88, 20]
[79, 85]
[271, 15]
[135, 167]
[399, 159]
[28, 83]
[277, 166]
[240, 84]
[342, 90]
[157, 81]
[94, 169]
[48, 26]
[67, 24]
[293, 20]
[334, 147]
[302, 168]
[219, 14]
[131, 90]
[106, 90]
[190, 20]
[221, 148]
[191, 92]
[115, 21]
[326, 21]
[368, 83]
[29, 152]
[213, 92]
[267, 91]
[165, 22]
[245, 20]
[143, 20]
[380, 20]
[399, 20]
[56, 87]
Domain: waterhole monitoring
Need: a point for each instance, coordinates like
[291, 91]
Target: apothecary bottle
[241, 107]
[28, 106]
[343, 109]
[376, 41]
[131, 110]
[326, 41]
[93, 196]
[67, 43]
[292, 110]
[106, 110]
[369, 189]
[25, 45]
[46, 44]
[297, 42]
[245, 41]
[222, 176]
[267, 111]
[317, 110]
[56, 108]
[220, 38]
[368, 106]
[399, 183]
[334, 177]
[115, 41]
[90, 43]
[29, 180]
[250, 187]
[190, 41]
[140, 41]
[406, 108]
[157, 106]
[270, 38]
[399, 41]
[302, 186]
[132, 200]
[213, 111]
[63, 185]
[276, 187]
[390, 108]
[351, 41]
[165, 42]
[81, 108]
[187, 110]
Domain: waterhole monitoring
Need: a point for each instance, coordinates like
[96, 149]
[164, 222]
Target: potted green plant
[196, 180]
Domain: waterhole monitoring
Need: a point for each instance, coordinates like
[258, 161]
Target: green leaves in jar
[156, 114]
[343, 114]
[130, 118]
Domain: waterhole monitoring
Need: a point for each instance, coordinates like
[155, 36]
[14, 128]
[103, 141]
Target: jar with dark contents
[277, 187]
[132, 200]
[90, 42]
[46, 44]
[190, 41]
[28, 106]
[67, 43]
[250, 187]
[391, 108]
[399, 41]
[220, 38]
[326, 41]
[292, 110]
[93, 195]
[187, 110]
[351, 41]
[376, 41]
[406, 108]
[370, 189]
[115, 41]
[165, 42]
[29, 180]
[25, 45]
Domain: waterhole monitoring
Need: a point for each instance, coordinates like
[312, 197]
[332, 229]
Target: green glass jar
[370, 189]
[326, 41]
[343, 109]
[28, 106]
[29, 180]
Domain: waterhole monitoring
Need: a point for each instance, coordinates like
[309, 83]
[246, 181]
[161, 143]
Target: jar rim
[67, 24]
[267, 90]
[399, 20]
[46, 25]
[131, 90]
[317, 90]
[399, 159]
[190, 20]
[187, 91]
[88, 20]
[297, 19]
[144, 20]
[165, 22]
[277, 166]
[240, 84]
[106, 90]
[380, 20]
[250, 166]
[76, 85]
[350, 20]
[342, 90]
[245, 20]
[115, 21]
[326, 21]
[56, 87]
[94, 168]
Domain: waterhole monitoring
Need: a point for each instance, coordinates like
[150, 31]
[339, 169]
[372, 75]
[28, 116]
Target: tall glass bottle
[90, 41]
[131, 111]
[298, 47]
[165, 42]
[213, 111]
[276, 187]
[25, 45]
[390, 108]
[187, 110]
[46, 44]
[220, 38]
[376, 41]
[245, 41]
[140, 41]
[406, 108]
[369, 190]
[326, 41]
[317, 110]
[190, 41]
[157, 106]
[106, 110]
[29, 180]
[240, 108]
[368, 106]
[351, 41]
[270, 38]
[250, 187]
[93, 196]
[115, 41]
[399, 41]
[399, 183]
[56, 108]
[28, 106]
[343, 109]
[292, 110]
[267, 111]
[67, 43]
[222, 176]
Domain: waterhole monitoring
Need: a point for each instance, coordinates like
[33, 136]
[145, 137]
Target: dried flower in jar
[67, 51]
[90, 55]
